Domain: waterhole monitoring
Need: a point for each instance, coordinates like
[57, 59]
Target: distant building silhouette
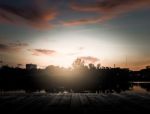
[147, 67]
[1, 63]
[31, 66]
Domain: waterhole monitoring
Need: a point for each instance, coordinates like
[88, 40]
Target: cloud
[89, 59]
[42, 14]
[9, 47]
[77, 52]
[4, 47]
[81, 48]
[109, 6]
[108, 10]
[35, 14]
[88, 21]
[39, 52]
[73, 53]
[18, 44]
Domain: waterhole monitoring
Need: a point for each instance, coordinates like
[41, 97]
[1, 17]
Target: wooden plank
[75, 102]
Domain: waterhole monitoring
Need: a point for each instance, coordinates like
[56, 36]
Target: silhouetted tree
[79, 78]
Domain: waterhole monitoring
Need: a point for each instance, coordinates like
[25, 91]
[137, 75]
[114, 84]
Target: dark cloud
[89, 59]
[4, 47]
[8, 47]
[39, 52]
[108, 9]
[34, 14]
[42, 14]
[109, 6]
[18, 44]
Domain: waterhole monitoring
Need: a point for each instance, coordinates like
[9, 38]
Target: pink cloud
[40, 52]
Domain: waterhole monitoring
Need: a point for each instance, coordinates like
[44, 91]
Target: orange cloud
[39, 52]
[88, 21]
[107, 8]
[35, 16]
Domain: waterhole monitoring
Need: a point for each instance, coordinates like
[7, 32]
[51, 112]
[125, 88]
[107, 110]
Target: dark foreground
[75, 102]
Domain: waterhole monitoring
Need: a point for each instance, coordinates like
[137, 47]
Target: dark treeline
[80, 78]
[142, 75]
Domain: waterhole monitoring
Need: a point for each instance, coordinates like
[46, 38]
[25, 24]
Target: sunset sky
[56, 32]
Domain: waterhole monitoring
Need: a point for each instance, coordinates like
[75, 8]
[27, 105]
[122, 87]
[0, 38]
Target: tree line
[79, 78]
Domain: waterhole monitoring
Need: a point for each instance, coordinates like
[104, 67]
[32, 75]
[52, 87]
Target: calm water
[140, 87]
[137, 87]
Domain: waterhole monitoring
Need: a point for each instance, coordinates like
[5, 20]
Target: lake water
[137, 87]
[140, 87]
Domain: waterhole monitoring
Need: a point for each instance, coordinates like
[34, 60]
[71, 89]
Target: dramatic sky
[46, 32]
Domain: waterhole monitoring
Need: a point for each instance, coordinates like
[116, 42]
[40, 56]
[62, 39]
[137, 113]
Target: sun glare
[71, 45]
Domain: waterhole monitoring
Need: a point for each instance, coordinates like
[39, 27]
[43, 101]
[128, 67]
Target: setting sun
[75, 56]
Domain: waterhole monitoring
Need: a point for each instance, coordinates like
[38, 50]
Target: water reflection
[140, 87]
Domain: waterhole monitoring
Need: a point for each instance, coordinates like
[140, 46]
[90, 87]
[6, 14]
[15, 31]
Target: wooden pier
[75, 102]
